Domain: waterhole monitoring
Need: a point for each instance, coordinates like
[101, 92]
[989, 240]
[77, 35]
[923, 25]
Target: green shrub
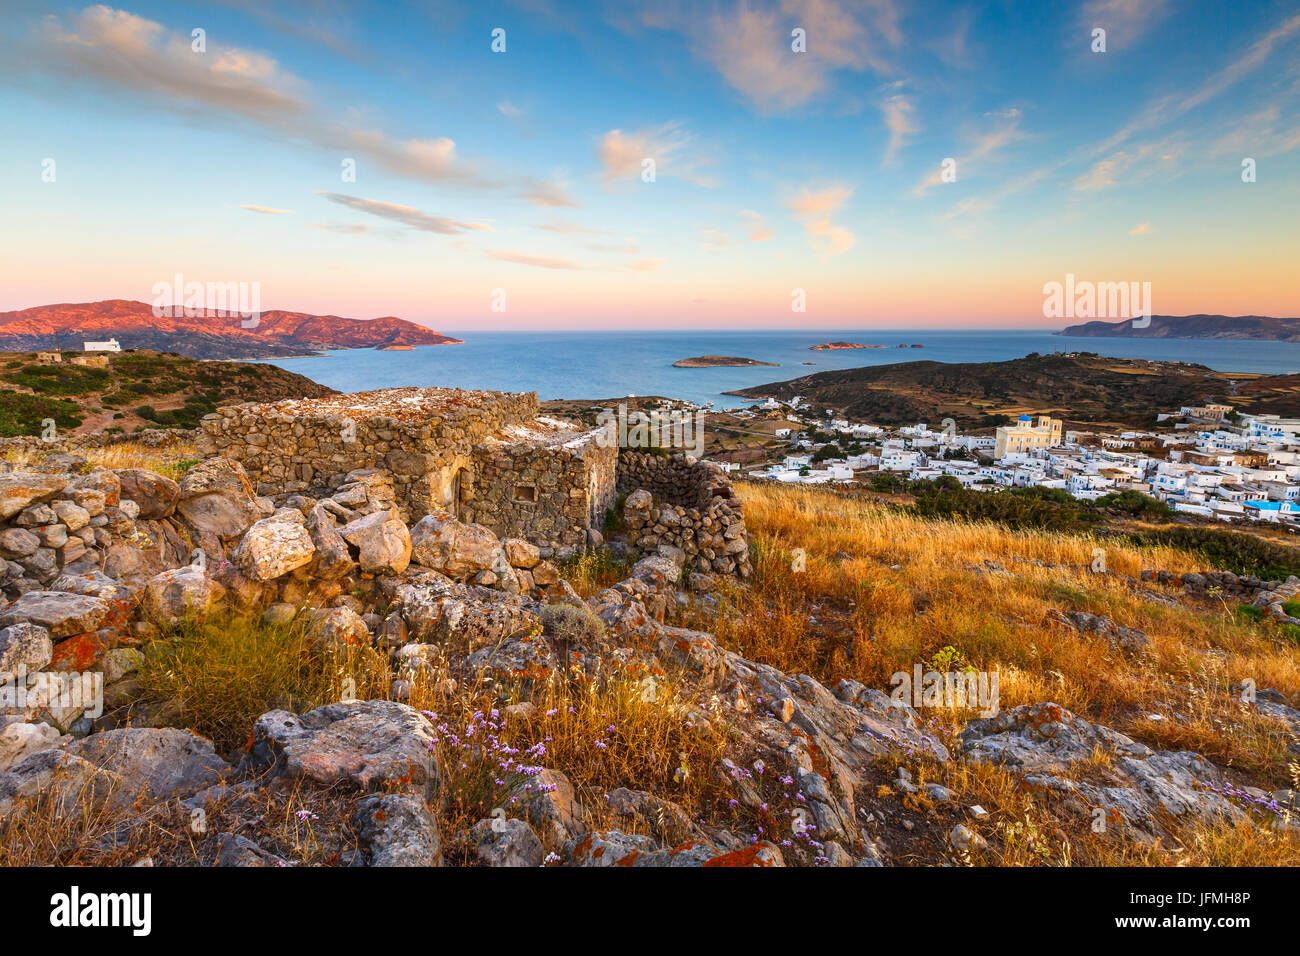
[22, 414]
[1248, 614]
[1228, 550]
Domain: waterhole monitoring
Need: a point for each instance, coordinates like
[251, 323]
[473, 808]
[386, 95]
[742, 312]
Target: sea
[604, 365]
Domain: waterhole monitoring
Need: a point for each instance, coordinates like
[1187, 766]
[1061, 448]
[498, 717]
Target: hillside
[216, 336]
[1195, 327]
[616, 719]
[1080, 387]
[134, 390]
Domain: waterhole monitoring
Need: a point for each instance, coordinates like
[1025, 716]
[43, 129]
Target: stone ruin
[674, 502]
[487, 458]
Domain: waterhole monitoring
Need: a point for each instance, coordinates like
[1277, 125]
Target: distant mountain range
[1196, 327]
[219, 335]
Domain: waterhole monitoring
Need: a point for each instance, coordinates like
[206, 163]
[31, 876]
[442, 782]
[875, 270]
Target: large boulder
[333, 559]
[503, 842]
[338, 627]
[275, 546]
[105, 481]
[458, 550]
[522, 554]
[155, 494]
[616, 848]
[18, 489]
[383, 544]
[1043, 742]
[59, 612]
[154, 763]
[20, 740]
[62, 781]
[181, 592]
[216, 498]
[371, 744]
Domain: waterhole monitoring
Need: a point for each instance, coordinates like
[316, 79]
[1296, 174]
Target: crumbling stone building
[486, 457]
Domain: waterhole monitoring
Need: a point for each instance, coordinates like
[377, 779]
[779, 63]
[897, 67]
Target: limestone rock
[155, 494]
[370, 744]
[458, 550]
[25, 647]
[173, 595]
[61, 613]
[399, 830]
[274, 546]
[382, 542]
[155, 763]
[216, 498]
[506, 842]
[19, 489]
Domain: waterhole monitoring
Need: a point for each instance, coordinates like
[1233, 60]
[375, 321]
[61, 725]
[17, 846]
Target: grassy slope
[136, 390]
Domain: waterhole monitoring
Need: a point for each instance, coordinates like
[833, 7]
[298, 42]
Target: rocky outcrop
[371, 744]
[1143, 788]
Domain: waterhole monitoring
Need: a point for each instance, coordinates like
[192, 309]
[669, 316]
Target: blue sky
[520, 172]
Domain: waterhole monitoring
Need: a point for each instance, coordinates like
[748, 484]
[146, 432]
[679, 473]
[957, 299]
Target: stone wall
[684, 504]
[487, 457]
[548, 494]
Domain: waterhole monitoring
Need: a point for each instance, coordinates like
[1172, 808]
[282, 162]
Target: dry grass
[221, 674]
[920, 591]
[591, 571]
[172, 461]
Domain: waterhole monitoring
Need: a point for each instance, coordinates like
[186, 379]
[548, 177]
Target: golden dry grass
[172, 461]
[914, 591]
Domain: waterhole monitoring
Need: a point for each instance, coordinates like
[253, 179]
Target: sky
[654, 165]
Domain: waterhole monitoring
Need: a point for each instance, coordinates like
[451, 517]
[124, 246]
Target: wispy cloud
[1125, 21]
[406, 215]
[1141, 229]
[1005, 131]
[814, 210]
[343, 228]
[623, 155]
[898, 111]
[120, 53]
[266, 209]
[531, 259]
[755, 226]
[548, 194]
[750, 43]
[571, 227]
[1168, 108]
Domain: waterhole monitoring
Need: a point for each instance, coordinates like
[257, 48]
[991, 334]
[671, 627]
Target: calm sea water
[614, 364]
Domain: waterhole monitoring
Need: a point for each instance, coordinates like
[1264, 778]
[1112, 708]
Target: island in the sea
[1201, 326]
[714, 361]
[827, 346]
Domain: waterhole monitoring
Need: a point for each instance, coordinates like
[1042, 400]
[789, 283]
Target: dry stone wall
[487, 457]
[547, 494]
[679, 503]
